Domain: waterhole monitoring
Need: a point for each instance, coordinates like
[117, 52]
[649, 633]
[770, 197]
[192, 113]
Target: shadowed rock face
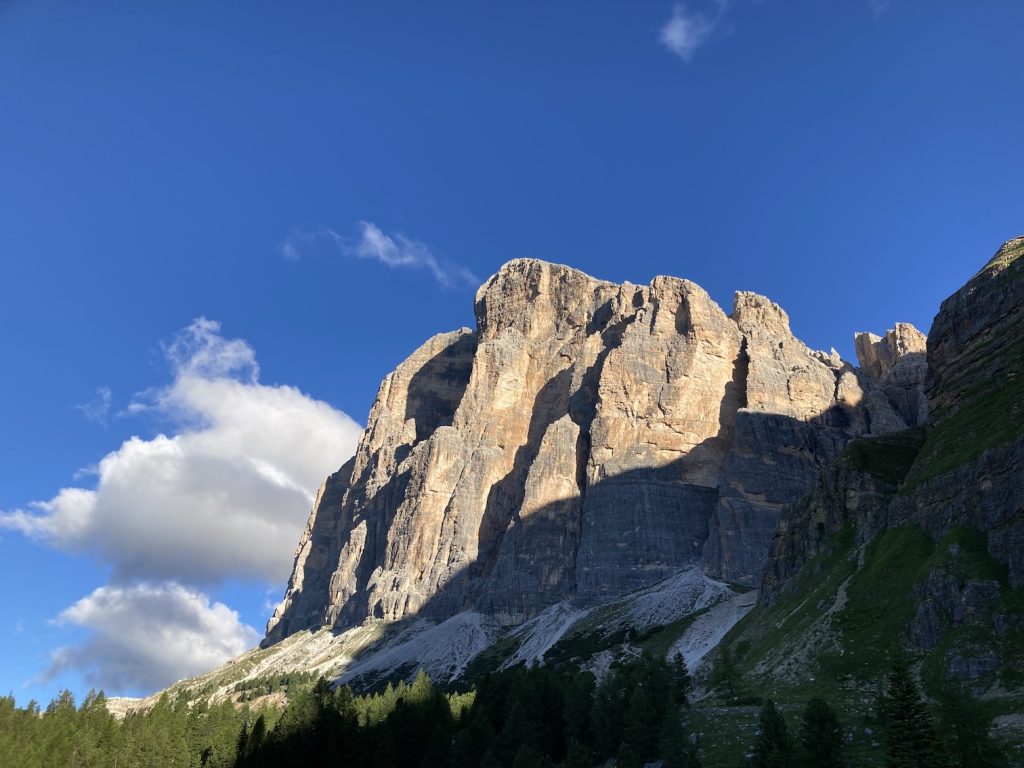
[587, 440]
[962, 467]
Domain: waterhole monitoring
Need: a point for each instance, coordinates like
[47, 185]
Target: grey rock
[585, 441]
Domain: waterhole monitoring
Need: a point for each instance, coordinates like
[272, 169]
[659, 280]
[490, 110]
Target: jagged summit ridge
[586, 440]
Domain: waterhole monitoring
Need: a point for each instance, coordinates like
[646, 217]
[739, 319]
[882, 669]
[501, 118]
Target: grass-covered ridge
[1009, 254]
[988, 417]
[833, 633]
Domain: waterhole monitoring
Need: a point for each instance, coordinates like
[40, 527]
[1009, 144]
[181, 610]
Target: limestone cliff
[587, 440]
[963, 467]
[914, 539]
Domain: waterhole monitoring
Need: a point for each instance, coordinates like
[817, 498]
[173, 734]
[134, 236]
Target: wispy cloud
[686, 30]
[879, 8]
[97, 410]
[394, 250]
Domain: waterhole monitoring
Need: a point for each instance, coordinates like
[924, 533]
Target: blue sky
[225, 227]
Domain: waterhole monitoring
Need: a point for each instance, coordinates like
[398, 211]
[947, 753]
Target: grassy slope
[849, 651]
[833, 631]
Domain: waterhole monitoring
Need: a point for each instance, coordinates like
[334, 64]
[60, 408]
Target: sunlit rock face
[586, 440]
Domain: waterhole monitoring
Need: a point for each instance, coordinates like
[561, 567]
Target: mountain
[600, 469]
[915, 540]
[587, 440]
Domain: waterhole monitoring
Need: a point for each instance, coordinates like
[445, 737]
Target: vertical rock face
[969, 472]
[963, 467]
[587, 440]
[896, 363]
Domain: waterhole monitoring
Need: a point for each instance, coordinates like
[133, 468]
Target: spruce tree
[911, 741]
[821, 736]
[774, 747]
[681, 682]
[640, 729]
[724, 674]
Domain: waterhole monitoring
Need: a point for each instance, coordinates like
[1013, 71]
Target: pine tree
[674, 743]
[724, 674]
[579, 756]
[640, 729]
[911, 741]
[628, 757]
[682, 685]
[821, 736]
[774, 748]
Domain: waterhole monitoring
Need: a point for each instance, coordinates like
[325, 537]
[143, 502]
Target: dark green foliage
[640, 729]
[965, 730]
[518, 718]
[88, 736]
[249, 690]
[674, 743]
[724, 675]
[821, 736]
[911, 739]
[522, 718]
[681, 682]
[886, 457]
[774, 747]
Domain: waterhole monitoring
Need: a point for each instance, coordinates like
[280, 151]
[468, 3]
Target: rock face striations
[962, 468]
[587, 440]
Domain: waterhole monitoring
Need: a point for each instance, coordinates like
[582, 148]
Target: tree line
[520, 718]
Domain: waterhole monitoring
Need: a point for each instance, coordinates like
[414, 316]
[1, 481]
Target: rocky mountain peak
[588, 439]
[760, 316]
[878, 355]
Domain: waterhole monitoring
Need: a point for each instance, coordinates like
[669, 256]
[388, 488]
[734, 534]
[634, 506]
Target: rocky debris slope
[470, 644]
[587, 440]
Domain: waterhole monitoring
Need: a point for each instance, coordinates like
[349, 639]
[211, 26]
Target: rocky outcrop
[587, 440]
[969, 473]
[896, 363]
[856, 491]
[963, 468]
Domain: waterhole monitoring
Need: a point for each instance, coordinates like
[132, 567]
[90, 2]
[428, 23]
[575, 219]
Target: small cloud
[392, 250]
[288, 249]
[146, 636]
[97, 410]
[200, 350]
[686, 31]
[879, 8]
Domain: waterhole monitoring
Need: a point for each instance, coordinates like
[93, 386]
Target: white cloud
[686, 31]
[394, 250]
[225, 495]
[98, 409]
[147, 636]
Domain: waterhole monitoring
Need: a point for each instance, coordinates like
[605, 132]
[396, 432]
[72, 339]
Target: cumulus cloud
[97, 410]
[147, 636]
[686, 30]
[225, 495]
[392, 250]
